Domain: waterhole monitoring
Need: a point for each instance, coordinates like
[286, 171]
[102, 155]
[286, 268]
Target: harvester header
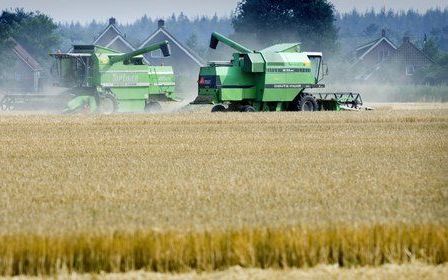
[163, 46]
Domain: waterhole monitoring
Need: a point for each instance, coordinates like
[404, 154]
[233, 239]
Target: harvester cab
[72, 69]
[316, 65]
[103, 80]
[273, 79]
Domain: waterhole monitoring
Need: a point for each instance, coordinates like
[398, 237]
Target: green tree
[35, 31]
[311, 22]
[431, 49]
[192, 41]
[371, 30]
[436, 74]
[6, 28]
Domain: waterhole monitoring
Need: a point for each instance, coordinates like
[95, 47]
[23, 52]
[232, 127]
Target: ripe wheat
[72, 187]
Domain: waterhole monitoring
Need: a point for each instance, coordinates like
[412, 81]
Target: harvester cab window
[82, 71]
[315, 66]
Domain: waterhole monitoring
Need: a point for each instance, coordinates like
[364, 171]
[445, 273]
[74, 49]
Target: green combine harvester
[273, 79]
[101, 80]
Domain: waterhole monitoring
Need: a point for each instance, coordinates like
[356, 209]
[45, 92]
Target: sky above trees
[129, 10]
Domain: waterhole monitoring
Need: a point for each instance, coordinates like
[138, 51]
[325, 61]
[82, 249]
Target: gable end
[177, 43]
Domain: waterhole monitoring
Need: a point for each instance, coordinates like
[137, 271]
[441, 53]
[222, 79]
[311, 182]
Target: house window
[410, 70]
[156, 54]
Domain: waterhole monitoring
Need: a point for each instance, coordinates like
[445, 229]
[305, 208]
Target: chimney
[406, 39]
[161, 23]
[112, 21]
[383, 33]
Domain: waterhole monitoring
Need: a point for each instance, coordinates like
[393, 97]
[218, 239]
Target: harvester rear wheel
[247, 108]
[108, 104]
[218, 108]
[7, 104]
[306, 103]
[5, 107]
[153, 107]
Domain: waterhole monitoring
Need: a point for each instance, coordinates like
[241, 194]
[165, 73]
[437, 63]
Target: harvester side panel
[132, 88]
[119, 75]
[162, 80]
[236, 84]
[283, 70]
[254, 63]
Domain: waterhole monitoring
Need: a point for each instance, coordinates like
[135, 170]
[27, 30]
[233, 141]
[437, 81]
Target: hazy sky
[129, 10]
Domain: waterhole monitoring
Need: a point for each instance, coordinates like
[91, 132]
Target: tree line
[36, 32]
[356, 28]
[261, 22]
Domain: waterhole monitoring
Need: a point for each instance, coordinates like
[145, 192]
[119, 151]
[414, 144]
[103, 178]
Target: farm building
[382, 59]
[26, 74]
[185, 62]
[113, 38]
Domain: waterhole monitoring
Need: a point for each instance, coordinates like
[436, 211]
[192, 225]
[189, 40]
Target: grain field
[354, 188]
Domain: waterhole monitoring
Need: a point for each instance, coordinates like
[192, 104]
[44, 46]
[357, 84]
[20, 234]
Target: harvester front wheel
[153, 107]
[219, 108]
[306, 103]
[108, 104]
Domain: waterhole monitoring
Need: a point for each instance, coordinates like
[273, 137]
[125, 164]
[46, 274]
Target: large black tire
[153, 107]
[247, 108]
[107, 104]
[218, 108]
[306, 103]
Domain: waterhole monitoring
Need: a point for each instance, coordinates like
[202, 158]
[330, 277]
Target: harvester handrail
[164, 46]
[216, 37]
